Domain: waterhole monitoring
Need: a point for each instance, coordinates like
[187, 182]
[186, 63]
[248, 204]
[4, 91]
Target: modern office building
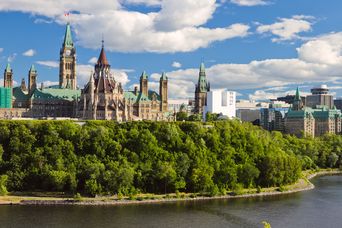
[221, 102]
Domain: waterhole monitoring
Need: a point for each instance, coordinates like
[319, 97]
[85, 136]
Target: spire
[163, 77]
[202, 68]
[203, 85]
[8, 67]
[68, 38]
[32, 69]
[102, 58]
[144, 75]
[23, 85]
[297, 97]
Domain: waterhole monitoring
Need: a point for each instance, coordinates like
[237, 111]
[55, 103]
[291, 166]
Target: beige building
[103, 98]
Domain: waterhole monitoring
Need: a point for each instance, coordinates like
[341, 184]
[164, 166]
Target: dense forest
[104, 157]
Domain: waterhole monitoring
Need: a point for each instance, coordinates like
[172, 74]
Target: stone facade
[103, 98]
[67, 66]
[201, 90]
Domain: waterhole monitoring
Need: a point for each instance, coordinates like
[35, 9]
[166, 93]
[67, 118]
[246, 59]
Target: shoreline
[303, 184]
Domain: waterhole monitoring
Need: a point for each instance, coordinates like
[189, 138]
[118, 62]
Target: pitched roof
[8, 67]
[140, 97]
[68, 37]
[102, 58]
[163, 77]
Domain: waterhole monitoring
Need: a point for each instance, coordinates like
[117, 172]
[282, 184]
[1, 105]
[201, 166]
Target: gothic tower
[67, 62]
[202, 88]
[8, 76]
[297, 103]
[32, 79]
[144, 83]
[163, 93]
[23, 85]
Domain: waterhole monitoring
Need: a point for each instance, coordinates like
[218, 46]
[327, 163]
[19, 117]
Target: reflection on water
[321, 207]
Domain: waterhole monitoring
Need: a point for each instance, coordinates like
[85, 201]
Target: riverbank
[302, 184]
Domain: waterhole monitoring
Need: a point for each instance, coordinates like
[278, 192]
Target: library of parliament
[102, 98]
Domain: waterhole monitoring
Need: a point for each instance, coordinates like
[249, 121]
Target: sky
[260, 48]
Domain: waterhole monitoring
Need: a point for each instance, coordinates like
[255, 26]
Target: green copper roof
[140, 97]
[202, 68]
[32, 68]
[53, 93]
[8, 67]
[68, 38]
[202, 80]
[163, 77]
[304, 113]
[297, 97]
[144, 75]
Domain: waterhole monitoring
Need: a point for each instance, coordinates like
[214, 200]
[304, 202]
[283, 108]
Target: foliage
[104, 157]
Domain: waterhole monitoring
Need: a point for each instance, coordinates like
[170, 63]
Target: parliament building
[102, 98]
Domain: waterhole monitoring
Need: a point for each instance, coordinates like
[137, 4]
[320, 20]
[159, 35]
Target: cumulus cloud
[287, 28]
[263, 95]
[311, 66]
[179, 25]
[176, 64]
[249, 2]
[29, 53]
[51, 64]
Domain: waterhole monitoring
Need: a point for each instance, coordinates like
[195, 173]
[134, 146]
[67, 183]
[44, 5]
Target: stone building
[320, 97]
[302, 120]
[103, 98]
[201, 90]
[44, 102]
[67, 62]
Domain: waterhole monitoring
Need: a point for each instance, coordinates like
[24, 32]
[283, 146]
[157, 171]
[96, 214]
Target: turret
[23, 85]
[201, 90]
[144, 83]
[32, 79]
[67, 67]
[297, 102]
[163, 92]
[8, 76]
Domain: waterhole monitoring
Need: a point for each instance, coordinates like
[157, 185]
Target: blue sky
[262, 49]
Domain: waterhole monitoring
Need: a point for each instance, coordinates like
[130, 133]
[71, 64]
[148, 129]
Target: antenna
[102, 40]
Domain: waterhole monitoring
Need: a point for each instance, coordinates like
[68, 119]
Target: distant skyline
[260, 48]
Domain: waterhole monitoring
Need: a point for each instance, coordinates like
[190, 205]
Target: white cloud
[311, 66]
[48, 83]
[29, 53]
[179, 25]
[1, 50]
[11, 58]
[93, 60]
[325, 49]
[52, 64]
[176, 65]
[262, 95]
[249, 2]
[143, 2]
[287, 28]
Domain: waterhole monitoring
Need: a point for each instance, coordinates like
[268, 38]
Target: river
[321, 207]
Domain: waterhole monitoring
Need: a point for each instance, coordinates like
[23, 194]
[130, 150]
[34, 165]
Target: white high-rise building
[221, 102]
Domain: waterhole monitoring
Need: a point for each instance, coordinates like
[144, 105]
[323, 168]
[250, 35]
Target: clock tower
[67, 62]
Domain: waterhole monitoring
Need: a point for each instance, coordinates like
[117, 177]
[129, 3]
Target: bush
[3, 182]
[78, 197]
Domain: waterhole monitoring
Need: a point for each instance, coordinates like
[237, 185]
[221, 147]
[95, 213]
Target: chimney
[136, 90]
[42, 86]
